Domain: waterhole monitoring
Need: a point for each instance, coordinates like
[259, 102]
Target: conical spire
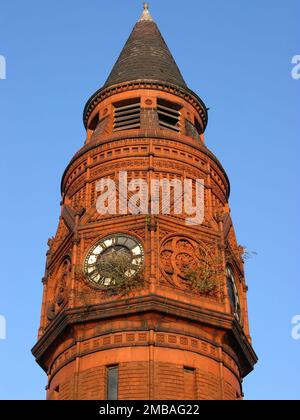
[146, 56]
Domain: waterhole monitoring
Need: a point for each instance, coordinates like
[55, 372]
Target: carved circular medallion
[177, 255]
[186, 264]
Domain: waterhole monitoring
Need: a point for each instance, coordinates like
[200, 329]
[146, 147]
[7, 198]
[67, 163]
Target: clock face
[113, 260]
[233, 294]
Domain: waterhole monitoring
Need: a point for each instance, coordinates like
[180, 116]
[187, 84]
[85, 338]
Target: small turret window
[94, 123]
[198, 127]
[112, 383]
[168, 115]
[127, 115]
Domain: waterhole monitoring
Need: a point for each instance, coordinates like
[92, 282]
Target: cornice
[146, 304]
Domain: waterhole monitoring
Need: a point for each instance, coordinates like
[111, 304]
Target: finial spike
[146, 14]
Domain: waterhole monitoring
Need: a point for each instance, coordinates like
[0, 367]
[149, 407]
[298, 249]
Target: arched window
[233, 294]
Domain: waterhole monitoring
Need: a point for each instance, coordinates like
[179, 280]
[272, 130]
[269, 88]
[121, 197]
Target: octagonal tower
[143, 305]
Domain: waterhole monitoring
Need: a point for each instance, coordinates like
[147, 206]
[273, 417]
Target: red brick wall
[91, 384]
[189, 377]
[134, 381]
[169, 382]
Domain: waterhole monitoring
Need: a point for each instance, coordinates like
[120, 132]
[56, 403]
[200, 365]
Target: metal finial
[146, 14]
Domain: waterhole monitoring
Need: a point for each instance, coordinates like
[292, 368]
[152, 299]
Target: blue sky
[236, 55]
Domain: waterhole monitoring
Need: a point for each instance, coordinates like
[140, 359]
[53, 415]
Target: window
[198, 126]
[94, 123]
[112, 383]
[127, 115]
[56, 393]
[168, 115]
[233, 294]
[190, 384]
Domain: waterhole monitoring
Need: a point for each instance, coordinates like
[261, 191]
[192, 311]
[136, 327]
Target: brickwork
[92, 384]
[134, 381]
[168, 380]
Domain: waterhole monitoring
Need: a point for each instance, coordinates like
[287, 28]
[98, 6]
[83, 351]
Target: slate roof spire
[146, 56]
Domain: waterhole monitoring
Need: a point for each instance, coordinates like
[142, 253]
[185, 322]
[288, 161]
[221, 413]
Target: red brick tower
[144, 306]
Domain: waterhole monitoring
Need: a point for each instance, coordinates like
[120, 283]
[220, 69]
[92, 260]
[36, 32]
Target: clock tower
[144, 289]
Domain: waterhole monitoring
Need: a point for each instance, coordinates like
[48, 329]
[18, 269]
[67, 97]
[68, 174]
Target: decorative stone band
[187, 94]
[121, 339]
[117, 141]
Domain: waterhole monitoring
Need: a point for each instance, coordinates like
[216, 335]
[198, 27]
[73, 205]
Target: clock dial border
[129, 242]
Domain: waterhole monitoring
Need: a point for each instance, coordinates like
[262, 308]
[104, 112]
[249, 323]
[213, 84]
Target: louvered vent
[168, 115]
[127, 115]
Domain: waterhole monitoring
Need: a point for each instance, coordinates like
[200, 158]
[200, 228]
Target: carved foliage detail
[62, 233]
[60, 296]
